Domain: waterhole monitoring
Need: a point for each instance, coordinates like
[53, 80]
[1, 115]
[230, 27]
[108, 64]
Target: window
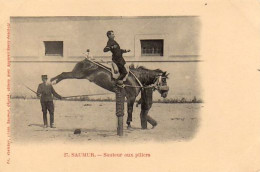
[53, 48]
[152, 47]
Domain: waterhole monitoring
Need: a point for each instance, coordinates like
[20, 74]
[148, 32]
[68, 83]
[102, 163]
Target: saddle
[114, 70]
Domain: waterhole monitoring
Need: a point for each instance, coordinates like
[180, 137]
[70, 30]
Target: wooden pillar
[120, 99]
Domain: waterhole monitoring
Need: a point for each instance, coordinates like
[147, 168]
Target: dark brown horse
[101, 76]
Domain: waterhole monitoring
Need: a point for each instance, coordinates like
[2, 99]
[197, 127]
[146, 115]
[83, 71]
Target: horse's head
[161, 84]
[155, 78]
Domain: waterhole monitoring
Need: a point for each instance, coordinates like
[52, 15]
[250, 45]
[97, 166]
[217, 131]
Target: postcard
[130, 86]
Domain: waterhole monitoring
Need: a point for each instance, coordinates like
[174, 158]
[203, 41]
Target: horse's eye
[163, 79]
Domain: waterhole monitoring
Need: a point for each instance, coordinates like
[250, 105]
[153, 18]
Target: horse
[139, 78]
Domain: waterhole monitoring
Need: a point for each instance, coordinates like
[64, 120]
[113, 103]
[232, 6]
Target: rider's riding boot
[120, 83]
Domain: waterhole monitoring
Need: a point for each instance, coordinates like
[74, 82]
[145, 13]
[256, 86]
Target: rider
[117, 56]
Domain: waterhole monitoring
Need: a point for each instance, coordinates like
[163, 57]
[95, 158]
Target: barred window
[53, 48]
[152, 47]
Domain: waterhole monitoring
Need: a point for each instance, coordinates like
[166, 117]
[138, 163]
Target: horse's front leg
[130, 105]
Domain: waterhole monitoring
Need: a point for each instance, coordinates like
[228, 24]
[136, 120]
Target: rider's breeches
[122, 70]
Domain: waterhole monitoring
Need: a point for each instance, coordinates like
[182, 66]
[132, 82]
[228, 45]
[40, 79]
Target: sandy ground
[97, 121]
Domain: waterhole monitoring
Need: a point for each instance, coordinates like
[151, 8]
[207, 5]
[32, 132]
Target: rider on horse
[117, 56]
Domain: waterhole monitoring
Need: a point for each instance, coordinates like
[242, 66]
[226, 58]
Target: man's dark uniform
[146, 102]
[46, 91]
[117, 57]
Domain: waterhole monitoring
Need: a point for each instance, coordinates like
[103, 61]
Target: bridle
[160, 83]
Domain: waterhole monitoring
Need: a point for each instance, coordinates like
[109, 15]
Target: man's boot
[151, 121]
[52, 120]
[143, 117]
[45, 123]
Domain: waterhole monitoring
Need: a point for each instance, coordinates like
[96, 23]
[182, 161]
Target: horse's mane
[142, 68]
[146, 75]
[132, 67]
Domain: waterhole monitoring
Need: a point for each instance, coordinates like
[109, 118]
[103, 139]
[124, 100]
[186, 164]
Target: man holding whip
[45, 92]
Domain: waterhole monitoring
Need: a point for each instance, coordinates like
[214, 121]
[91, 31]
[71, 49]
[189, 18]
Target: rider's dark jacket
[117, 53]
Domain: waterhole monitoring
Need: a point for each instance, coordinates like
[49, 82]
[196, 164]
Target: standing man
[117, 56]
[45, 91]
[146, 102]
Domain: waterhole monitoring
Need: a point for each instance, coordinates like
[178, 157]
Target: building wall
[79, 34]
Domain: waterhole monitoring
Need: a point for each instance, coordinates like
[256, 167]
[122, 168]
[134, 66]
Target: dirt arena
[97, 121]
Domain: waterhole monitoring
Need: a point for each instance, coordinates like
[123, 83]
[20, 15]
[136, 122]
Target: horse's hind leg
[66, 75]
[130, 105]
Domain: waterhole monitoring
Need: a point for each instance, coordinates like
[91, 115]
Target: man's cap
[44, 77]
[109, 32]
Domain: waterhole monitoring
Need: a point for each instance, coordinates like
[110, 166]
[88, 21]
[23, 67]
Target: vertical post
[120, 99]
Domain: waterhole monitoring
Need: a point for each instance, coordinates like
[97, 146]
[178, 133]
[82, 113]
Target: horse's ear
[164, 74]
[167, 75]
